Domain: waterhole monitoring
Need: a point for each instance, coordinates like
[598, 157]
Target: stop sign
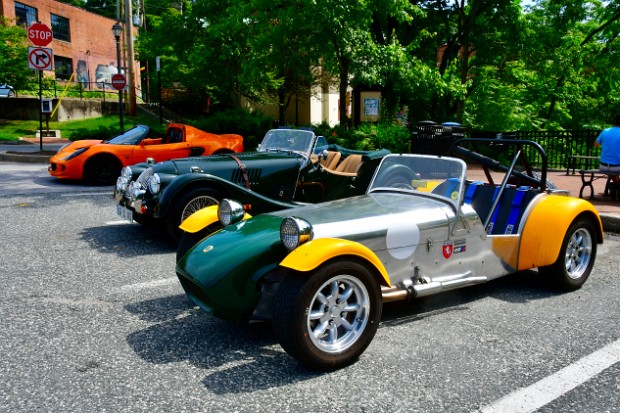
[39, 34]
[118, 81]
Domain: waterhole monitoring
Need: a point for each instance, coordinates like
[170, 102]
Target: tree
[14, 55]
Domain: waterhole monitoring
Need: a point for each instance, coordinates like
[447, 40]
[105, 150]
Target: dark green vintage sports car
[290, 167]
[321, 273]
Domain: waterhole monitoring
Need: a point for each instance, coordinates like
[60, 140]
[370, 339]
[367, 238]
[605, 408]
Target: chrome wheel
[339, 312]
[578, 253]
[197, 204]
[576, 256]
[327, 318]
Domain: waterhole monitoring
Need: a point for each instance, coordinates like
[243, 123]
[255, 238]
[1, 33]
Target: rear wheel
[102, 170]
[576, 257]
[189, 203]
[327, 319]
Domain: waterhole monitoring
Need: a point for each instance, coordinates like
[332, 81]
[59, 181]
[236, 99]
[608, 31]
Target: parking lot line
[531, 398]
[144, 285]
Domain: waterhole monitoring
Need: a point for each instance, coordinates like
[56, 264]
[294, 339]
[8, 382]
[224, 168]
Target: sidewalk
[27, 151]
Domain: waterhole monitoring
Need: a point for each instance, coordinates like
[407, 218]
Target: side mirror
[324, 155]
[150, 141]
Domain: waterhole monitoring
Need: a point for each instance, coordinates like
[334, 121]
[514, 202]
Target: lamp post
[117, 29]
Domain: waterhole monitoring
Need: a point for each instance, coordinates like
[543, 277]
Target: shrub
[368, 136]
[101, 133]
[251, 125]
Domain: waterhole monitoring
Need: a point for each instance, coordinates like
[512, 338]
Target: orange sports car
[100, 162]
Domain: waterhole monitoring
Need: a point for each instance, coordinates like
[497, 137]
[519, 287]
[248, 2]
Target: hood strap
[244, 171]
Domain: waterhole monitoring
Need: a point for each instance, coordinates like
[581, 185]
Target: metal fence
[561, 147]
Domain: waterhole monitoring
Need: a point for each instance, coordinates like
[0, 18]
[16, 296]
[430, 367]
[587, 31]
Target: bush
[368, 136]
[101, 133]
[252, 126]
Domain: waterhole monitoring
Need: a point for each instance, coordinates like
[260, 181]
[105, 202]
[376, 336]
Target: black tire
[102, 170]
[576, 257]
[306, 304]
[189, 239]
[186, 205]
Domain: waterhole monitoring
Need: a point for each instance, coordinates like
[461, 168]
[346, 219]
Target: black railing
[565, 149]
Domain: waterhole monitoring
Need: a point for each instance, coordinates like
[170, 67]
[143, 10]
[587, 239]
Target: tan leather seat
[350, 164]
[332, 160]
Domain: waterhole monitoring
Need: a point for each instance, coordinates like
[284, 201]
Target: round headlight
[230, 212]
[126, 173]
[294, 232]
[121, 184]
[154, 183]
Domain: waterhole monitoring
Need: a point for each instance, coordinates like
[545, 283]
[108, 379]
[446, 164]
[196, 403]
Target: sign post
[158, 67]
[40, 59]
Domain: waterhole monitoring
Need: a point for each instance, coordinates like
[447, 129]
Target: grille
[143, 179]
[253, 176]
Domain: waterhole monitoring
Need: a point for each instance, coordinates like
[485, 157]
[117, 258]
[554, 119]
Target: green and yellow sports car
[321, 273]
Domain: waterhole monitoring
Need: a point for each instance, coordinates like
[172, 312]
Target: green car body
[273, 178]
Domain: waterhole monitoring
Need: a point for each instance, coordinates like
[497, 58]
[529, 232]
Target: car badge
[447, 250]
[208, 248]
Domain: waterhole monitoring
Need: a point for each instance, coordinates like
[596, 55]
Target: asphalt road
[92, 319]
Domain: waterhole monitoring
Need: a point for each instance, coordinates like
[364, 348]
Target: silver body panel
[424, 242]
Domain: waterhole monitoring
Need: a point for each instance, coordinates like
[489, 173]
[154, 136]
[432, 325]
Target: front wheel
[189, 203]
[576, 257]
[327, 319]
[102, 170]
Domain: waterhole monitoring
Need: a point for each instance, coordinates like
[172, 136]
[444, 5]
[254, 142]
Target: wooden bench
[588, 176]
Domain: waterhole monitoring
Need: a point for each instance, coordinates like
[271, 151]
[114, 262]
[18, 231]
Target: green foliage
[13, 51]
[100, 133]
[252, 126]
[368, 136]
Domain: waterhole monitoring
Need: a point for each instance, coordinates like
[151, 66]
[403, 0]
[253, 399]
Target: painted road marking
[145, 285]
[86, 194]
[531, 398]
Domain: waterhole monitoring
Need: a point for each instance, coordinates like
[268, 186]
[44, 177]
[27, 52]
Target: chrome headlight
[121, 184]
[294, 232]
[126, 173]
[154, 183]
[230, 212]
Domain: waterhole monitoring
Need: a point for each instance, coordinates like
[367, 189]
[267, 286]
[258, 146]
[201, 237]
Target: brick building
[83, 43]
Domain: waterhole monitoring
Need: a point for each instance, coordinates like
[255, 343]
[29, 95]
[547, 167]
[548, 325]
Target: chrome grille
[143, 179]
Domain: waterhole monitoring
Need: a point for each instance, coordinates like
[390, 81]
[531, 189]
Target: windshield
[131, 136]
[443, 176]
[288, 140]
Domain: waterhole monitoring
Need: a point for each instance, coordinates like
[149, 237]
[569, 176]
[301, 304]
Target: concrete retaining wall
[69, 109]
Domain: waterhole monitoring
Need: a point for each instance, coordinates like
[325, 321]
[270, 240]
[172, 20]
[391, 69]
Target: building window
[63, 66]
[25, 15]
[60, 28]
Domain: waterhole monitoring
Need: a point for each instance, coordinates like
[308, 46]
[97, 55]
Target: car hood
[74, 146]
[211, 164]
[357, 217]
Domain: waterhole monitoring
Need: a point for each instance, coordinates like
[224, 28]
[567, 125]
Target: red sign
[39, 34]
[118, 81]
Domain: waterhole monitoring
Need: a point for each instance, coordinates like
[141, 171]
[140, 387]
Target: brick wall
[92, 48]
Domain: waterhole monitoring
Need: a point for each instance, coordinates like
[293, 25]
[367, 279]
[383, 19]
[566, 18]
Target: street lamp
[117, 29]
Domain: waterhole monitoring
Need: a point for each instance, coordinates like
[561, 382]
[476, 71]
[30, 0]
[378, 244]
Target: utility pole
[131, 82]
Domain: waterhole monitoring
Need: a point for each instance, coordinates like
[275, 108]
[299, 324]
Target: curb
[24, 157]
[611, 223]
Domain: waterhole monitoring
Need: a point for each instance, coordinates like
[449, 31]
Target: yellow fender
[202, 219]
[546, 227]
[310, 255]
